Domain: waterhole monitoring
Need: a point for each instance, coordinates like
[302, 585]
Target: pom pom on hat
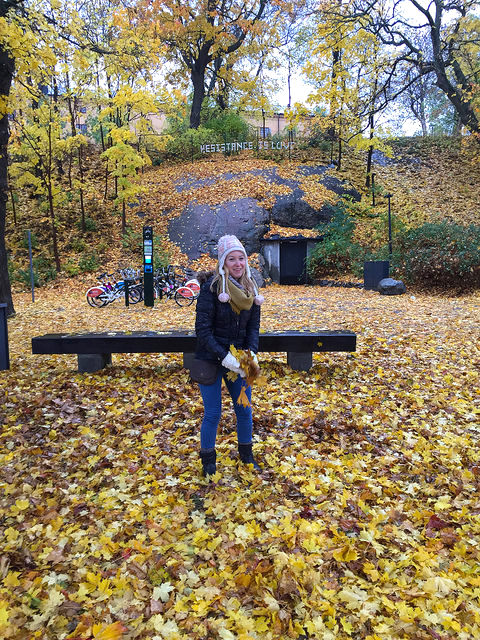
[259, 300]
[223, 297]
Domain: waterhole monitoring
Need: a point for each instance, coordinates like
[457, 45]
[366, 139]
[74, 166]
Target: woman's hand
[230, 362]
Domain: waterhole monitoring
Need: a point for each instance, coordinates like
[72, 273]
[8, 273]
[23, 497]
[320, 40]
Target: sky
[391, 120]
[402, 125]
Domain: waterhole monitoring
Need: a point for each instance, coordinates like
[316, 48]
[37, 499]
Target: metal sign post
[148, 265]
[389, 196]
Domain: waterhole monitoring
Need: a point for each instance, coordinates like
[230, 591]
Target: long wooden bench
[94, 350]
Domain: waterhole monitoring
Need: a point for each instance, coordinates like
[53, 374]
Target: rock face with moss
[198, 228]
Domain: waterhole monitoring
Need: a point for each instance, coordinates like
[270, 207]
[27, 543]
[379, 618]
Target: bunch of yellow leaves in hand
[250, 367]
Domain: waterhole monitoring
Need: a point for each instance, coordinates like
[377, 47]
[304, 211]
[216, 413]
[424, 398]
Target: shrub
[132, 241]
[338, 253]
[440, 254]
[77, 245]
[161, 257]
[229, 125]
[89, 262]
[102, 248]
[33, 241]
[43, 271]
[185, 145]
[90, 225]
[71, 268]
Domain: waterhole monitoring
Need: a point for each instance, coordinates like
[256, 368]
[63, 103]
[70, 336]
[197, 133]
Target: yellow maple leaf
[108, 632]
[3, 614]
[439, 586]
[347, 627]
[345, 554]
[11, 580]
[243, 399]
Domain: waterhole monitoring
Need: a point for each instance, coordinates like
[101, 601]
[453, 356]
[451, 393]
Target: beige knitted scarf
[239, 298]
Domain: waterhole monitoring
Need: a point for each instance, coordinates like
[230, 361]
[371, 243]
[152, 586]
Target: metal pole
[127, 293]
[32, 280]
[389, 196]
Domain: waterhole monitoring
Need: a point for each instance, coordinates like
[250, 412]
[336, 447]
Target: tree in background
[20, 52]
[453, 31]
[199, 36]
[347, 66]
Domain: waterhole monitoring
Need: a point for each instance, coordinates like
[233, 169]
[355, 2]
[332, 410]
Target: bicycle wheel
[96, 297]
[194, 285]
[135, 294]
[184, 296]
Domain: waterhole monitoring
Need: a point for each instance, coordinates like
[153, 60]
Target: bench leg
[91, 362]
[299, 361]
[187, 360]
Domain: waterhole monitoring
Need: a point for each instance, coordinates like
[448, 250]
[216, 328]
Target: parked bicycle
[167, 283]
[110, 288]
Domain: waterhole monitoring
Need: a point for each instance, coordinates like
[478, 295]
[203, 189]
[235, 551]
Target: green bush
[443, 254]
[90, 225]
[229, 125]
[132, 241]
[89, 262]
[161, 257]
[71, 268]
[77, 245]
[33, 241]
[43, 271]
[318, 137]
[185, 145]
[338, 253]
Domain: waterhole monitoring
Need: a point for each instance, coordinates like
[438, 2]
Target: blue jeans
[212, 404]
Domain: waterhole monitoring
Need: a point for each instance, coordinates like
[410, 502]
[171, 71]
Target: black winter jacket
[218, 326]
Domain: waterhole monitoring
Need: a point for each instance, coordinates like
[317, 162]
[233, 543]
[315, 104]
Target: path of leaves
[364, 522]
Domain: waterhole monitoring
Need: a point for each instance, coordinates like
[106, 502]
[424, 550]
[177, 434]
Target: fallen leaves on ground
[364, 522]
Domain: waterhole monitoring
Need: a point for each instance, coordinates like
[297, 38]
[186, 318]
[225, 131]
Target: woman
[228, 313]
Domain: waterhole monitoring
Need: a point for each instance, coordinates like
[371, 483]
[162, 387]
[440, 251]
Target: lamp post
[389, 197]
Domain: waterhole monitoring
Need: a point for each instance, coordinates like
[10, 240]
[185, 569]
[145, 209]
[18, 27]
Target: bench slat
[184, 342]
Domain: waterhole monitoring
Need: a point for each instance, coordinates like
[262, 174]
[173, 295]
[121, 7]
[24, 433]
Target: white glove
[230, 362]
[254, 357]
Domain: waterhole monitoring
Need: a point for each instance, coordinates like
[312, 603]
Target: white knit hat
[226, 245]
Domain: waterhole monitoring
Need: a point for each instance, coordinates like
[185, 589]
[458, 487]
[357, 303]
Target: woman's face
[235, 264]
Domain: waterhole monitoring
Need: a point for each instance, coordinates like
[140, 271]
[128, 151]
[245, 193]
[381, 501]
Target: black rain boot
[246, 455]
[209, 461]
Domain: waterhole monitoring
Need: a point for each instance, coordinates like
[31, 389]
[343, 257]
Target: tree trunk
[105, 190]
[56, 110]
[51, 207]
[198, 80]
[124, 218]
[371, 123]
[82, 204]
[6, 75]
[14, 208]
[457, 126]
[336, 58]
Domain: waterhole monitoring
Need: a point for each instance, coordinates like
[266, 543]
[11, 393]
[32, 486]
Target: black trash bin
[373, 272]
[4, 356]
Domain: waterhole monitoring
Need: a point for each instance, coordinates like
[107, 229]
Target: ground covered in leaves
[364, 522]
